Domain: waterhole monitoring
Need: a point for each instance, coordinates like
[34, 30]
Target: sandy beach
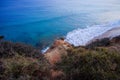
[109, 34]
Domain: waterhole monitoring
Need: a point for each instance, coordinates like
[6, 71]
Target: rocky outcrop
[60, 46]
[54, 55]
[58, 49]
[1, 37]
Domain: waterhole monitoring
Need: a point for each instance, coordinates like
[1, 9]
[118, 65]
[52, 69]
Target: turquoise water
[39, 22]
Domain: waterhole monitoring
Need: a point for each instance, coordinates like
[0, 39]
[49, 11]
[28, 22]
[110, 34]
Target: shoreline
[114, 32]
[110, 33]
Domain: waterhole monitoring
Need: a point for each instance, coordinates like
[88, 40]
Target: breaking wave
[45, 49]
[80, 37]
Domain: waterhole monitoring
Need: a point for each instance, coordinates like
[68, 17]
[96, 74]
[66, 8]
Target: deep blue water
[39, 22]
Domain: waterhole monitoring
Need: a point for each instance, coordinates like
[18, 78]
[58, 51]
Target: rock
[58, 49]
[116, 40]
[1, 37]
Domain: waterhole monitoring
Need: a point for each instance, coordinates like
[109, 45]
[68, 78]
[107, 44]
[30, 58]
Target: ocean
[40, 22]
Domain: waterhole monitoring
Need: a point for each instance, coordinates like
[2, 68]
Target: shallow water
[38, 22]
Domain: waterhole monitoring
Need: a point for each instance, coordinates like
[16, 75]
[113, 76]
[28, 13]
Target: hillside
[99, 60]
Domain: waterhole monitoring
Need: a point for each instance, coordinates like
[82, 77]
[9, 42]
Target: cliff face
[58, 49]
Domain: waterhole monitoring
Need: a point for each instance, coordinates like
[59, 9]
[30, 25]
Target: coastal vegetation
[22, 62]
[98, 64]
[99, 60]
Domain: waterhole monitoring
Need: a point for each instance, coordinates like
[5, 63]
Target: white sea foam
[80, 37]
[45, 49]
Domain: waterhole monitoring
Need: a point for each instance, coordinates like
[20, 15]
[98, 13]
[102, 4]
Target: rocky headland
[60, 46]
[99, 59]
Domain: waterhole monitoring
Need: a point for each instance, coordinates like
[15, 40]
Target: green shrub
[9, 49]
[23, 68]
[99, 64]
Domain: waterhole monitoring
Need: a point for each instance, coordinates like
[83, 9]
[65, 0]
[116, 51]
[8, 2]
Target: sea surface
[39, 22]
